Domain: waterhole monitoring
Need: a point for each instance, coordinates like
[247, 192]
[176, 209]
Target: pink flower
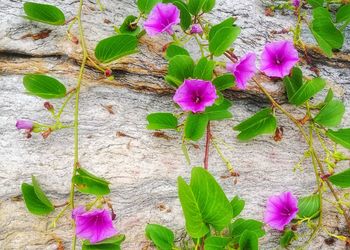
[162, 19]
[278, 58]
[243, 70]
[24, 124]
[196, 29]
[195, 95]
[280, 210]
[95, 225]
[296, 3]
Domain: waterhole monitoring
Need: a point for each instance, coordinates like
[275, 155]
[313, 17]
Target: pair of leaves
[263, 122]
[203, 203]
[325, 32]
[196, 6]
[221, 36]
[162, 237]
[297, 91]
[112, 243]
[88, 183]
[35, 199]
[44, 86]
[44, 13]
[115, 47]
[239, 226]
[343, 14]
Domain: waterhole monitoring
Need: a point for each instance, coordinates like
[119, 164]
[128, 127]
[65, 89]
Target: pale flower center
[197, 99]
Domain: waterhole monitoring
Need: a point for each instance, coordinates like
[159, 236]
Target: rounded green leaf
[195, 6]
[44, 13]
[249, 241]
[175, 50]
[208, 5]
[309, 207]
[223, 39]
[287, 237]
[180, 68]
[44, 86]
[88, 183]
[219, 112]
[40, 193]
[216, 243]
[343, 14]
[115, 47]
[204, 69]
[239, 226]
[195, 126]
[342, 137]
[341, 179]
[112, 243]
[331, 114]
[162, 121]
[145, 6]
[237, 206]
[128, 27]
[162, 237]
[308, 90]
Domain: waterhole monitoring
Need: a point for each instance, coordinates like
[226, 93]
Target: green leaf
[185, 16]
[203, 203]
[145, 6]
[204, 69]
[44, 86]
[161, 121]
[262, 122]
[341, 179]
[224, 81]
[219, 112]
[331, 114]
[316, 3]
[180, 68]
[88, 183]
[286, 238]
[208, 6]
[237, 205]
[195, 6]
[175, 50]
[44, 13]
[309, 207]
[128, 27]
[326, 34]
[112, 243]
[308, 90]
[249, 241]
[342, 137]
[195, 225]
[294, 82]
[195, 126]
[221, 37]
[216, 243]
[329, 96]
[343, 14]
[115, 47]
[34, 204]
[162, 237]
[238, 227]
[40, 193]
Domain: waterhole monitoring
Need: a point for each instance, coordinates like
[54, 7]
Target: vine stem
[207, 144]
[312, 149]
[76, 111]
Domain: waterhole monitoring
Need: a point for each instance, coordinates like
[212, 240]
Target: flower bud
[24, 124]
[108, 72]
[48, 106]
[196, 29]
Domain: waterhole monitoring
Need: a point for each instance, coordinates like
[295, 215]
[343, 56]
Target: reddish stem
[207, 144]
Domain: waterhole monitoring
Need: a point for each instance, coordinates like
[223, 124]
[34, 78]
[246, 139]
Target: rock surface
[141, 167]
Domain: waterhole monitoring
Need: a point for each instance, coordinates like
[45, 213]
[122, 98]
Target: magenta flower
[24, 124]
[196, 29]
[162, 19]
[296, 3]
[280, 210]
[278, 58]
[95, 225]
[243, 70]
[195, 95]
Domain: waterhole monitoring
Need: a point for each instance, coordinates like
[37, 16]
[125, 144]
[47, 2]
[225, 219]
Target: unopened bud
[46, 133]
[108, 72]
[48, 106]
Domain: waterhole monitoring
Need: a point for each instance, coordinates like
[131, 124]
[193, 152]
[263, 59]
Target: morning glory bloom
[243, 70]
[278, 58]
[162, 19]
[280, 210]
[195, 95]
[196, 29]
[24, 124]
[95, 225]
[296, 3]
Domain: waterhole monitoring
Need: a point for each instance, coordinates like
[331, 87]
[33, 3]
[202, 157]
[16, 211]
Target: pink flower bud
[24, 124]
[196, 29]
[108, 72]
[48, 106]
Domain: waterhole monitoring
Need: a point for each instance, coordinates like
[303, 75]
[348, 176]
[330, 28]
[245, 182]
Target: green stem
[223, 158]
[76, 111]
[58, 116]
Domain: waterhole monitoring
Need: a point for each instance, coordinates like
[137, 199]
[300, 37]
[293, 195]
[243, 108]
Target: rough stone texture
[141, 167]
